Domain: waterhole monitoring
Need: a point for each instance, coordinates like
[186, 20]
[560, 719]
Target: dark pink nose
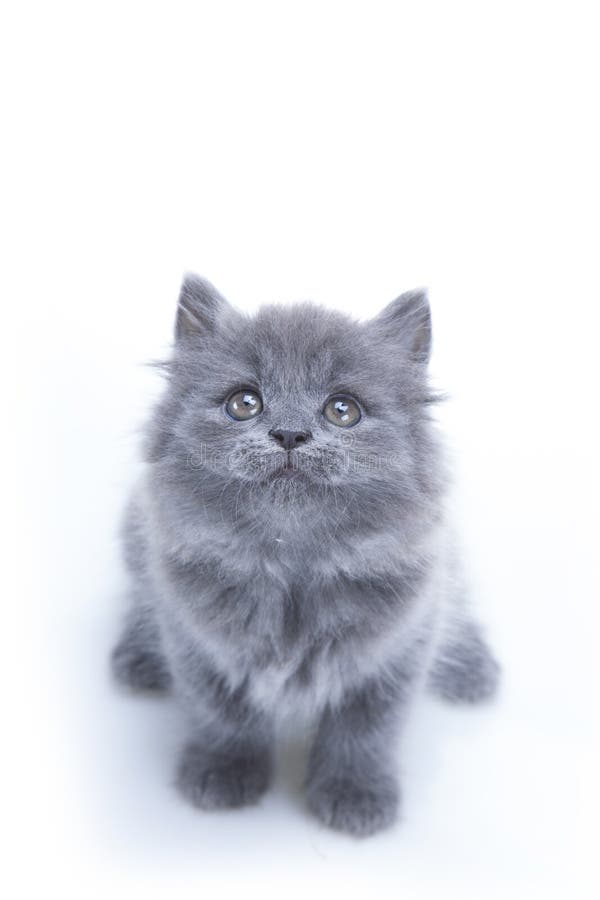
[289, 439]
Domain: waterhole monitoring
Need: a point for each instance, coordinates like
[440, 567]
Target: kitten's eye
[342, 411]
[244, 405]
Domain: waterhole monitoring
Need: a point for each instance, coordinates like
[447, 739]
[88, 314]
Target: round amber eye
[342, 411]
[244, 405]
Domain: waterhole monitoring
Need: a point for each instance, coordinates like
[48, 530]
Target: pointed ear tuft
[198, 308]
[407, 320]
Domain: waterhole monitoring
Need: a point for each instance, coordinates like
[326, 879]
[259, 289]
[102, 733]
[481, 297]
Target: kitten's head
[297, 406]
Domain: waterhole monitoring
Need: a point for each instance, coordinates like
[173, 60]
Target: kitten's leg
[464, 669]
[137, 661]
[228, 761]
[351, 785]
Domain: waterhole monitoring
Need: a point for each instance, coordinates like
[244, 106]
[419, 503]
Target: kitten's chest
[298, 637]
[284, 643]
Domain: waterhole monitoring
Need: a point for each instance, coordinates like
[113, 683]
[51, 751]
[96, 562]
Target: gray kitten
[290, 554]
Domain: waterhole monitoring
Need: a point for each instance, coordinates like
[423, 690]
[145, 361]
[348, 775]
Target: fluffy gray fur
[331, 593]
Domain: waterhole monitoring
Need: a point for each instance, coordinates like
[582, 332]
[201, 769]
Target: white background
[343, 152]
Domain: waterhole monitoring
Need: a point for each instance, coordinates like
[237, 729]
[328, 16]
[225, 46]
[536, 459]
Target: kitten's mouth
[288, 469]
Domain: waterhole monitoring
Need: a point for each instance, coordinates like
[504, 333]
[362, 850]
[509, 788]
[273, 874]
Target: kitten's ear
[407, 321]
[199, 307]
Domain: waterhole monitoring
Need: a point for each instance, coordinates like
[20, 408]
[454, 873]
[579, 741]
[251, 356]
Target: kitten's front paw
[209, 781]
[357, 807]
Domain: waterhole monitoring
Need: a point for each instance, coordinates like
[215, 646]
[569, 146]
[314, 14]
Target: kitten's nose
[289, 439]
